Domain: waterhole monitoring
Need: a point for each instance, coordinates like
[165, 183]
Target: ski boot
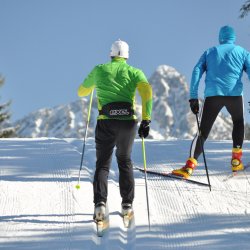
[187, 170]
[236, 162]
[127, 214]
[100, 210]
[100, 218]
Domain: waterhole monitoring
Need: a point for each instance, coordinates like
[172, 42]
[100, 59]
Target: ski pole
[146, 182]
[84, 139]
[203, 153]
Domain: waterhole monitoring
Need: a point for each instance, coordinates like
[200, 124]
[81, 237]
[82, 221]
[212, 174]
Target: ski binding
[237, 173]
[99, 227]
[127, 219]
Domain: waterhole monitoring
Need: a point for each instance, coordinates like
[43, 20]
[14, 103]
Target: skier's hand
[194, 105]
[144, 128]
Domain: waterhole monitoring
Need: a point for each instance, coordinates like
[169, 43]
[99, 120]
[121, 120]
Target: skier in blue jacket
[224, 65]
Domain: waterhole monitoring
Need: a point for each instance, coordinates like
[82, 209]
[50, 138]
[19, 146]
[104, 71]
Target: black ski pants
[211, 109]
[108, 134]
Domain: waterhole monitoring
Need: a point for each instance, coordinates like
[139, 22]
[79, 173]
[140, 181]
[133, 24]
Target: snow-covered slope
[41, 209]
[171, 114]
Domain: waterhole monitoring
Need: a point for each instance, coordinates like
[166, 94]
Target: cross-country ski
[171, 176]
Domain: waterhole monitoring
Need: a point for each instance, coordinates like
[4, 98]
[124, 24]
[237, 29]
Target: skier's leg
[124, 143]
[211, 109]
[234, 105]
[105, 142]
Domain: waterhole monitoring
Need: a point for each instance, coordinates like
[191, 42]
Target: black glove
[143, 130]
[194, 105]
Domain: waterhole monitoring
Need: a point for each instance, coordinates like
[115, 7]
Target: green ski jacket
[116, 81]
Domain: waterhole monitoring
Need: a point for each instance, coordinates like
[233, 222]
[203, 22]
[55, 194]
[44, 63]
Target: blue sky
[47, 47]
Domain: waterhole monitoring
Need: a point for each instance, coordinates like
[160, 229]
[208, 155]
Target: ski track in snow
[41, 209]
[36, 207]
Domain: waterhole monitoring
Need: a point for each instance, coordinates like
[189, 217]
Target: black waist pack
[117, 110]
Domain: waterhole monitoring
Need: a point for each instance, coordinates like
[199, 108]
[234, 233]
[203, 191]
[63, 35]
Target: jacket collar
[118, 59]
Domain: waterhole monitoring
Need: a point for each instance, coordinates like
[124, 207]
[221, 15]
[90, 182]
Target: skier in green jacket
[116, 83]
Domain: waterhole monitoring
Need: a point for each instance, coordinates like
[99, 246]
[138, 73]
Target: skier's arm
[198, 71]
[88, 85]
[247, 65]
[145, 91]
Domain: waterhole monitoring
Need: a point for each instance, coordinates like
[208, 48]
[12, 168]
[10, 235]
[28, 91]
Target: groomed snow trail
[36, 195]
[188, 216]
[41, 209]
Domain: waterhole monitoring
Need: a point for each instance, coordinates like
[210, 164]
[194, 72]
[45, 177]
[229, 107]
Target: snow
[41, 209]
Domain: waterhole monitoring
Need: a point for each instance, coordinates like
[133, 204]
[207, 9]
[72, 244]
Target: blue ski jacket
[224, 65]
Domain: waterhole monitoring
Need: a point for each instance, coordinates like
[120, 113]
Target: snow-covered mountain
[61, 121]
[171, 117]
[171, 112]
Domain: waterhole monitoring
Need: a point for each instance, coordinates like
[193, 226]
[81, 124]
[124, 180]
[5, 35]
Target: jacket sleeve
[247, 65]
[198, 71]
[145, 91]
[88, 84]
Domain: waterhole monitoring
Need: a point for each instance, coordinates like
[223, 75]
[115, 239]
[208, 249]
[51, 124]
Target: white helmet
[120, 49]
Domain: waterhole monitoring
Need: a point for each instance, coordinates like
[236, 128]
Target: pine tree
[245, 8]
[5, 129]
